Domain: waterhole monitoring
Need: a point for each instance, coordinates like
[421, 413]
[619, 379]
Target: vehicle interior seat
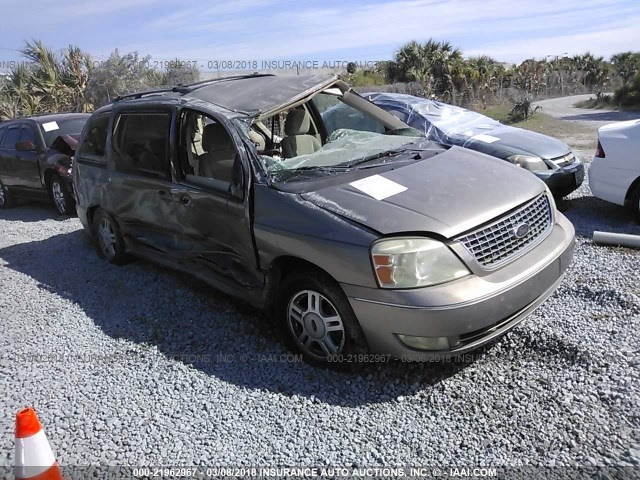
[258, 140]
[298, 141]
[193, 132]
[220, 153]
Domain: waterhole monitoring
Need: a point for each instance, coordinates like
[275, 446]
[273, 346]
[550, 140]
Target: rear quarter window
[140, 143]
[94, 141]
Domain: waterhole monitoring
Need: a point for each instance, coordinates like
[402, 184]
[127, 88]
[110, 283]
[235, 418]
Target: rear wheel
[61, 196]
[635, 202]
[5, 197]
[109, 240]
[318, 321]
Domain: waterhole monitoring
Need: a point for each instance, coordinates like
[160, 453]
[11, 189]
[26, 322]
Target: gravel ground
[139, 366]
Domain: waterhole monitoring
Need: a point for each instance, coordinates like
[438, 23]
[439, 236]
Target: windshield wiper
[376, 156]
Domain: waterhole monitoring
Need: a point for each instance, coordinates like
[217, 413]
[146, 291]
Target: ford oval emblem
[521, 230]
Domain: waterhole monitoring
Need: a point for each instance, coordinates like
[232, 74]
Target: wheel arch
[91, 213]
[280, 268]
[631, 189]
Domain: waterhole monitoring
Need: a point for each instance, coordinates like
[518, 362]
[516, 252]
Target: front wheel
[5, 197]
[61, 196]
[109, 240]
[318, 320]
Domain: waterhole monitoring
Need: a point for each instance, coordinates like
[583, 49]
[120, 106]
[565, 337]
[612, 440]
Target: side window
[95, 139]
[140, 143]
[11, 138]
[208, 153]
[336, 115]
[27, 135]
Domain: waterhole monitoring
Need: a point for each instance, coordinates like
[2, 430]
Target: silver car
[357, 243]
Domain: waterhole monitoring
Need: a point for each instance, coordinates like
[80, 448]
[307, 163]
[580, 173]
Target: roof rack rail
[143, 93]
[189, 87]
[194, 86]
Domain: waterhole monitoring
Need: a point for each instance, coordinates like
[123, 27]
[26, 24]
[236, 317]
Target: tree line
[70, 81]
[438, 69]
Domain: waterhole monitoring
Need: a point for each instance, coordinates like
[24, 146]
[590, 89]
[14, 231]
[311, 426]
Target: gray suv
[356, 243]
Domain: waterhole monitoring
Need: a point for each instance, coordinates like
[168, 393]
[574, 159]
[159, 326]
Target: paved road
[564, 109]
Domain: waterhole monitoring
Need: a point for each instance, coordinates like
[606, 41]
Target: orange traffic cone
[34, 459]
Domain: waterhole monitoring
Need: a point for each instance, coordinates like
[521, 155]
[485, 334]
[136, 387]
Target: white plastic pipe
[621, 239]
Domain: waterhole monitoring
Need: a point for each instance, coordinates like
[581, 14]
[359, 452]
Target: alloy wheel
[107, 238]
[58, 197]
[316, 325]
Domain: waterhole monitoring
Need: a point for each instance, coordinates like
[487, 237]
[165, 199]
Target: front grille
[505, 239]
[564, 160]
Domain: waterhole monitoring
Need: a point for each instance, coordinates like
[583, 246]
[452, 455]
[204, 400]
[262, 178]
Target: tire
[6, 198]
[61, 196]
[635, 202]
[109, 241]
[309, 304]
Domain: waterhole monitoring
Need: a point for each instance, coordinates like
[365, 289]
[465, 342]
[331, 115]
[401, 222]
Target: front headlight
[529, 162]
[414, 262]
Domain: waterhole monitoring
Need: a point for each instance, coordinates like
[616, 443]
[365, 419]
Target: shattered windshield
[347, 149]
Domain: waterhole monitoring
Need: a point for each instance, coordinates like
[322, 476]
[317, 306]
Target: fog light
[425, 343]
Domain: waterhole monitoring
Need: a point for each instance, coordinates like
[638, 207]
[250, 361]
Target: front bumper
[565, 180]
[469, 312]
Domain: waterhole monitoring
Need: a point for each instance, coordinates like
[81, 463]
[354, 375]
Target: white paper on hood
[49, 126]
[378, 187]
[485, 138]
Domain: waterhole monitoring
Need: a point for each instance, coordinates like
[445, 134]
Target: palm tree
[445, 65]
[433, 64]
[529, 76]
[9, 107]
[626, 64]
[594, 70]
[408, 59]
[76, 68]
[18, 84]
[47, 77]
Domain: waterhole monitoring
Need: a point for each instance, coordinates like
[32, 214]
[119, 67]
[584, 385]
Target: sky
[212, 32]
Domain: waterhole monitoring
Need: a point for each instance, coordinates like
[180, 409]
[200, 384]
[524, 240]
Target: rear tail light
[600, 150]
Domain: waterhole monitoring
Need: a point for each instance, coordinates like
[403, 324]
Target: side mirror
[26, 146]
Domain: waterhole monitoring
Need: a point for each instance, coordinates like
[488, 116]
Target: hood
[66, 144]
[447, 194]
[511, 140]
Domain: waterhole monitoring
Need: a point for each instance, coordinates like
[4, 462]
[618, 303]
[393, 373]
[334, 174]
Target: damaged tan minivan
[366, 239]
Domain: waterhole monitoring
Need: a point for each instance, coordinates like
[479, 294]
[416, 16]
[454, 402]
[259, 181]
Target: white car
[614, 175]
